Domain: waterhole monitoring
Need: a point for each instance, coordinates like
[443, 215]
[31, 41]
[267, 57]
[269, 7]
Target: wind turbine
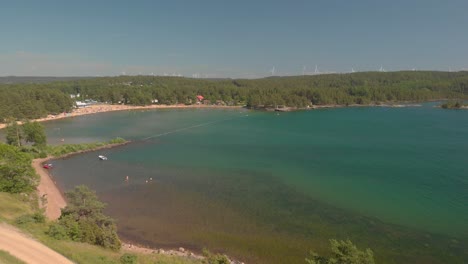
[316, 69]
[352, 70]
[273, 71]
[381, 69]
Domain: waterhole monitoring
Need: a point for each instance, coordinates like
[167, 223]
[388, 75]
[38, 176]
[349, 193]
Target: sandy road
[27, 249]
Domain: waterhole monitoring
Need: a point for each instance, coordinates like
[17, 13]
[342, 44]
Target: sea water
[267, 187]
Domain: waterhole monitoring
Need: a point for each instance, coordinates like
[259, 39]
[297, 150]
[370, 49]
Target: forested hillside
[35, 100]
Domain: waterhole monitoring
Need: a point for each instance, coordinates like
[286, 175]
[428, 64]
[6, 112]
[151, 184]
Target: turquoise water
[260, 185]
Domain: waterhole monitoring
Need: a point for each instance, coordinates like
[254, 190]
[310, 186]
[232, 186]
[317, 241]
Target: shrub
[343, 252]
[39, 217]
[128, 259]
[211, 258]
[83, 220]
[24, 219]
[57, 231]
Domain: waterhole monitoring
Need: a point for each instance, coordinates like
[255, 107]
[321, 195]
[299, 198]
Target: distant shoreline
[102, 108]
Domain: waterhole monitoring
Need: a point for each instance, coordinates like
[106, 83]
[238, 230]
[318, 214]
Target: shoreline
[103, 108]
[55, 200]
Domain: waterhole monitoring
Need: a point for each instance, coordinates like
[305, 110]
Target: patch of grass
[61, 150]
[15, 205]
[6, 258]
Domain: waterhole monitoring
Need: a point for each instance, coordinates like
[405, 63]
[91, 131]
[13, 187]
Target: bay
[266, 187]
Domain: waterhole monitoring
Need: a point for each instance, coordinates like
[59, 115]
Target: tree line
[37, 100]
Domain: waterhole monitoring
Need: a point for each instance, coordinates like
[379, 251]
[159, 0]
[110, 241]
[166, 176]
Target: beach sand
[50, 197]
[101, 108]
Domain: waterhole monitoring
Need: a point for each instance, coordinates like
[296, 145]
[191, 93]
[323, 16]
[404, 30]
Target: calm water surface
[267, 187]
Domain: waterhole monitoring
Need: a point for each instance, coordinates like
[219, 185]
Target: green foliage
[14, 134]
[211, 258]
[128, 259]
[31, 101]
[83, 221]
[16, 173]
[34, 132]
[343, 252]
[117, 140]
[453, 105]
[36, 100]
[6, 258]
[37, 217]
[60, 150]
[57, 231]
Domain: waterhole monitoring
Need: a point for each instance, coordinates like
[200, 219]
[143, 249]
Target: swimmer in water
[126, 178]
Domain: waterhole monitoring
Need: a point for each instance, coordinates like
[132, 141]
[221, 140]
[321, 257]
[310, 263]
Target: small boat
[102, 157]
[47, 166]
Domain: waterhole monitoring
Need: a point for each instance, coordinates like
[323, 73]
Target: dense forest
[33, 100]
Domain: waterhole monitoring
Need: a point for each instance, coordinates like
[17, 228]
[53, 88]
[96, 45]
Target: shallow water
[267, 187]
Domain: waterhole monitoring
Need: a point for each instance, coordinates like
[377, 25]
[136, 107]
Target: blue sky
[230, 38]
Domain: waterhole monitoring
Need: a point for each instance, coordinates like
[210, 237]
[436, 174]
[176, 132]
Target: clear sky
[217, 38]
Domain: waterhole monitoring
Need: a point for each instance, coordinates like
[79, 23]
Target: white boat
[102, 157]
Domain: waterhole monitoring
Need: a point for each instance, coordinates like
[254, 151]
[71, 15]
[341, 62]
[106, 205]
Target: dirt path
[48, 190]
[28, 249]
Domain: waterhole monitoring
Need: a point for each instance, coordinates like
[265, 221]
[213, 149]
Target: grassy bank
[72, 149]
[6, 258]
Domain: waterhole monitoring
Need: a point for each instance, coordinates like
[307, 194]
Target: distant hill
[37, 79]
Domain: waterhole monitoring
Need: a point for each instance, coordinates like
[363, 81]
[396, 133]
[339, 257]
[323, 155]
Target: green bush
[82, 220]
[16, 173]
[57, 231]
[39, 217]
[211, 258]
[128, 259]
[25, 219]
[343, 252]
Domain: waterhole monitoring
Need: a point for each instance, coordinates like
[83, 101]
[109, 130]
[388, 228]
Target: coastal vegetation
[35, 100]
[30, 132]
[82, 220]
[16, 173]
[64, 149]
[454, 105]
[343, 252]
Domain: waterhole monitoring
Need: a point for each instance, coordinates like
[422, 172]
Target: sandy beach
[50, 197]
[101, 108]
